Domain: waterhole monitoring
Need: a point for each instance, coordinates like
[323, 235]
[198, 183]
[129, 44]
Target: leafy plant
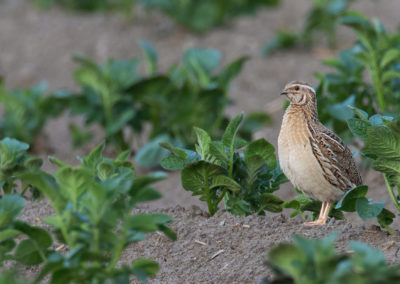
[200, 16]
[27, 111]
[382, 145]
[115, 96]
[353, 201]
[103, 99]
[92, 205]
[322, 20]
[217, 171]
[13, 160]
[377, 53]
[316, 261]
[90, 5]
[32, 249]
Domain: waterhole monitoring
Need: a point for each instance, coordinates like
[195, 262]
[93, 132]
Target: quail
[313, 158]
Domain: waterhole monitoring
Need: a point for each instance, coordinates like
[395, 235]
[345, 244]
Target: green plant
[322, 20]
[114, 96]
[200, 16]
[377, 53]
[32, 249]
[353, 201]
[381, 135]
[217, 171]
[316, 261]
[27, 111]
[13, 160]
[90, 5]
[93, 205]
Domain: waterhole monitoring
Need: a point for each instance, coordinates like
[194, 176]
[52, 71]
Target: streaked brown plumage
[313, 157]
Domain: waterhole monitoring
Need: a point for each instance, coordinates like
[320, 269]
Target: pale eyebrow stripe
[305, 86]
[310, 88]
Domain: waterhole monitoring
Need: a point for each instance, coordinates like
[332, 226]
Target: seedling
[201, 16]
[322, 22]
[26, 111]
[217, 171]
[14, 159]
[316, 261]
[93, 205]
[382, 145]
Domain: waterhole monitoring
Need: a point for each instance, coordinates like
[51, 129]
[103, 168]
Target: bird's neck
[307, 112]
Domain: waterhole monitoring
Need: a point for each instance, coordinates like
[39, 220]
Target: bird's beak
[284, 93]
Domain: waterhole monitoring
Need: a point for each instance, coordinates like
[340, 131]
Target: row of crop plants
[220, 162]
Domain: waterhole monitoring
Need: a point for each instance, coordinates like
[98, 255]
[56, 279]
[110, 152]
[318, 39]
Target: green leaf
[40, 236]
[144, 268]
[94, 158]
[341, 111]
[389, 56]
[177, 152]
[74, 182]
[11, 207]
[203, 141]
[198, 174]
[229, 136]
[104, 170]
[27, 253]
[142, 222]
[226, 182]
[262, 148]
[148, 194]
[8, 234]
[11, 150]
[47, 185]
[367, 210]
[390, 75]
[359, 113]
[33, 163]
[56, 162]
[271, 203]
[348, 201]
[152, 154]
[382, 142]
[217, 149]
[285, 257]
[119, 122]
[207, 59]
[357, 21]
[385, 218]
[168, 232]
[173, 163]
[151, 56]
[359, 127]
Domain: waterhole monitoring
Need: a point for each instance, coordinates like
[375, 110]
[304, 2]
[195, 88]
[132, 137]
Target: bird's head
[300, 93]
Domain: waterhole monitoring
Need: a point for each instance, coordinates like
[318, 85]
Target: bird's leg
[323, 215]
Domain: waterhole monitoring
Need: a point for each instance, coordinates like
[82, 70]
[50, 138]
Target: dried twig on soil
[200, 243]
[217, 254]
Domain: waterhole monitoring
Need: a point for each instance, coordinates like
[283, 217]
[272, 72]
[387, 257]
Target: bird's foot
[319, 222]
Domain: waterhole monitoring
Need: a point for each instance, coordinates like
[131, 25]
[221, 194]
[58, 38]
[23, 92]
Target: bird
[313, 157]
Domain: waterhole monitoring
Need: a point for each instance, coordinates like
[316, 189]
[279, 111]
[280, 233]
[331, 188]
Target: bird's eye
[297, 88]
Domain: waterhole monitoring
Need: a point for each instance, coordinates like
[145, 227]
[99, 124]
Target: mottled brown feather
[335, 159]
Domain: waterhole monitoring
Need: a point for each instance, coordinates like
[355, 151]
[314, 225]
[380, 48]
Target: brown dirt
[38, 45]
[235, 246]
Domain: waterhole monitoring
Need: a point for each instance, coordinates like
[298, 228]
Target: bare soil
[38, 45]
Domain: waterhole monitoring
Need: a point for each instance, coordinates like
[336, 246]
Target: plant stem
[117, 253]
[376, 79]
[208, 196]
[391, 193]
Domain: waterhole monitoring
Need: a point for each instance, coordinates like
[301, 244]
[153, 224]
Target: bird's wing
[335, 159]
